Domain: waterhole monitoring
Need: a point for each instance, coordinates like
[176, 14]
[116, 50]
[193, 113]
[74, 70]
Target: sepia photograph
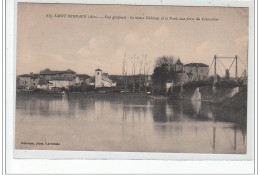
[131, 78]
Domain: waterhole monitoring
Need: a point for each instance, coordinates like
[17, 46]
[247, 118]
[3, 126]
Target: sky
[85, 44]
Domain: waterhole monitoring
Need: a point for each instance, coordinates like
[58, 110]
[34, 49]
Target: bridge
[217, 89]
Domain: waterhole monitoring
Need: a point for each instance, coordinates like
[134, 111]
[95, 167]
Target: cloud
[202, 48]
[241, 42]
[162, 32]
[97, 47]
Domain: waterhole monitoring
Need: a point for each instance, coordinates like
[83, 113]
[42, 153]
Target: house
[28, 81]
[103, 80]
[196, 71]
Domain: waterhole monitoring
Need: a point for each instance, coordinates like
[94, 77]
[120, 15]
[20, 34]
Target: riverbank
[233, 109]
[48, 94]
[107, 95]
[41, 94]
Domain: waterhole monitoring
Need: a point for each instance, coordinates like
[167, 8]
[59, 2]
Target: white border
[122, 166]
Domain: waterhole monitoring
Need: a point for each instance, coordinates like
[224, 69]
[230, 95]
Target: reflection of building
[102, 80]
[196, 71]
[28, 81]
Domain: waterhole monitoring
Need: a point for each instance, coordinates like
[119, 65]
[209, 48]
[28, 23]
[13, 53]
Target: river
[126, 123]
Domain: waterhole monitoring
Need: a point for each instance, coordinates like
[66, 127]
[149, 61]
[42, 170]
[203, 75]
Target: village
[53, 80]
[167, 75]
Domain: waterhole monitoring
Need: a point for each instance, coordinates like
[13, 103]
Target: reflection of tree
[159, 111]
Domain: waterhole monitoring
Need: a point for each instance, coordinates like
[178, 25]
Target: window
[24, 82]
[97, 73]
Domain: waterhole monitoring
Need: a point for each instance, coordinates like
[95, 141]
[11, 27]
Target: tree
[161, 75]
[165, 60]
[164, 67]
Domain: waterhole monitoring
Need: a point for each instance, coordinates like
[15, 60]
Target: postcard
[132, 78]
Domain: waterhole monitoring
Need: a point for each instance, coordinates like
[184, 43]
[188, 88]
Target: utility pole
[215, 69]
[124, 72]
[144, 83]
[140, 74]
[133, 71]
[236, 67]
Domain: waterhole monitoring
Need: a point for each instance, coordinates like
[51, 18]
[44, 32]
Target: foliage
[163, 71]
[161, 74]
[165, 60]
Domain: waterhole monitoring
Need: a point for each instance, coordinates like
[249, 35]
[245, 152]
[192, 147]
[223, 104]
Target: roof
[196, 65]
[70, 71]
[105, 74]
[33, 76]
[62, 79]
[50, 72]
[104, 78]
[98, 69]
[83, 76]
[179, 62]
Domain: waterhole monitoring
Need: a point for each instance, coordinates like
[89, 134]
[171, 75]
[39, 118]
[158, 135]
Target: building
[103, 80]
[184, 73]
[28, 81]
[196, 71]
[51, 75]
[178, 66]
[179, 76]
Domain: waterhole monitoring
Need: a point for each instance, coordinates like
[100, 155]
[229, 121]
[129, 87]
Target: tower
[98, 78]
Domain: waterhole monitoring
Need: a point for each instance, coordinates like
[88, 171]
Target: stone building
[28, 81]
[178, 66]
[196, 71]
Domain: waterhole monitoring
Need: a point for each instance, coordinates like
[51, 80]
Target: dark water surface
[127, 124]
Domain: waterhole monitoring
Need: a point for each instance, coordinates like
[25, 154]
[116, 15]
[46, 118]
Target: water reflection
[137, 124]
